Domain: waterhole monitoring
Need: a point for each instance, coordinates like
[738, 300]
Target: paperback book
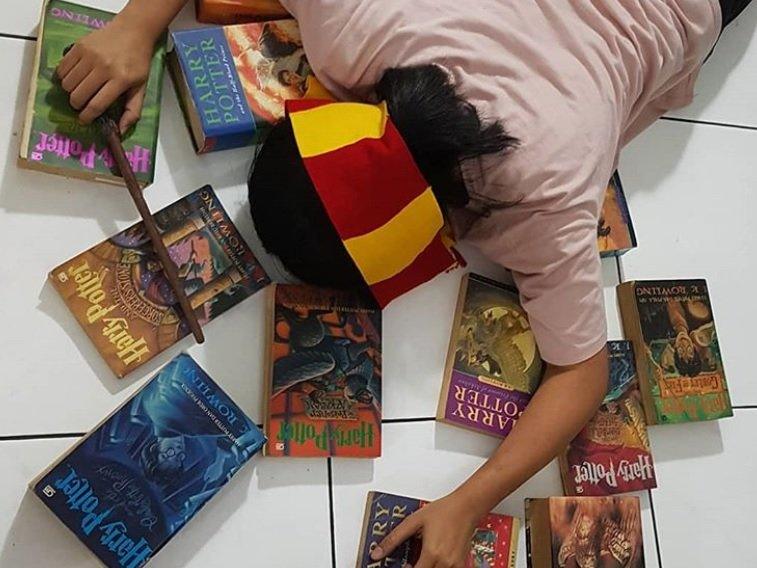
[611, 454]
[584, 532]
[494, 543]
[53, 140]
[493, 365]
[324, 374]
[119, 294]
[232, 81]
[139, 476]
[238, 11]
[615, 233]
[678, 356]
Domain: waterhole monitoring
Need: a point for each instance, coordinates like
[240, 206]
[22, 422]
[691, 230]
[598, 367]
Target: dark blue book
[135, 480]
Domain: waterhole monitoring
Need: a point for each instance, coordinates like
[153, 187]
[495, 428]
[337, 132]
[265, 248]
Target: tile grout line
[21, 437]
[744, 406]
[331, 511]
[654, 526]
[17, 36]
[408, 420]
[709, 123]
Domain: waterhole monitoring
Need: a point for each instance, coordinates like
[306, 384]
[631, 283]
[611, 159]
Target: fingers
[135, 98]
[87, 89]
[69, 61]
[101, 101]
[75, 76]
[406, 529]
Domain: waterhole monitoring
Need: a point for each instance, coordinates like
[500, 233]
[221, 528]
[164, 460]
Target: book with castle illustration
[232, 81]
[615, 233]
[493, 545]
[611, 454]
[324, 374]
[126, 488]
[678, 356]
[584, 532]
[119, 294]
[493, 364]
[53, 140]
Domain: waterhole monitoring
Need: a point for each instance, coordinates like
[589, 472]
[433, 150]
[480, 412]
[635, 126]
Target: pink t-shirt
[573, 80]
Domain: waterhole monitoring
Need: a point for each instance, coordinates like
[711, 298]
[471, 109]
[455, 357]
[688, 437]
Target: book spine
[444, 395]
[567, 484]
[361, 560]
[514, 534]
[270, 332]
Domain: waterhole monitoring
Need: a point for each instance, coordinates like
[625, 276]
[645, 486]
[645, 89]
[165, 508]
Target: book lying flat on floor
[53, 140]
[238, 11]
[494, 543]
[493, 364]
[144, 472]
[611, 454]
[615, 233]
[678, 357]
[324, 374]
[119, 294]
[584, 532]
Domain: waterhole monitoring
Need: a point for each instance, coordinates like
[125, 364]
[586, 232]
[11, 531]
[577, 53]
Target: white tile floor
[690, 181]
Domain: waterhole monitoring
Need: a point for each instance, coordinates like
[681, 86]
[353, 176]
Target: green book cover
[53, 139]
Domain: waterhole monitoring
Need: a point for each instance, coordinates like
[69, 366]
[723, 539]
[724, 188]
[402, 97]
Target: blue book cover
[135, 480]
[615, 232]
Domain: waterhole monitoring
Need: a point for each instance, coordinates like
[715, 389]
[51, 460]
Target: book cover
[678, 356]
[493, 364]
[238, 11]
[611, 454]
[232, 81]
[324, 374]
[118, 293]
[53, 140]
[615, 233]
[585, 532]
[135, 480]
[494, 543]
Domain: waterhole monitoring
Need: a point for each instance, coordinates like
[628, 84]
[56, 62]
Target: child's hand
[105, 64]
[446, 527]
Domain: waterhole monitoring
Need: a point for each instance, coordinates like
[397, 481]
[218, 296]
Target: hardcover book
[232, 81]
[611, 454]
[238, 11]
[324, 374]
[53, 140]
[585, 532]
[615, 233]
[494, 543]
[136, 479]
[678, 357]
[493, 364]
[120, 296]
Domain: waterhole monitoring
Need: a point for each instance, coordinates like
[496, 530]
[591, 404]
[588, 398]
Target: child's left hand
[445, 526]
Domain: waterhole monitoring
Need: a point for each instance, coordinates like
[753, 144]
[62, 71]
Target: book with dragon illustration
[678, 356]
[584, 532]
[119, 294]
[53, 140]
[232, 81]
[493, 545]
[611, 454]
[238, 11]
[615, 232]
[126, 488]
[493, 364]
[324, 374]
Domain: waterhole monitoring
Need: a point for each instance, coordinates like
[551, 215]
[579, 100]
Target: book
[494, 543]
[615, 232]
[232, 81]
[118, 293]
[53, 140]
[611, 454]
[238, 11]
[678, 356]
[324, 374]
[493, 364]
[584, 532]
[126, 488]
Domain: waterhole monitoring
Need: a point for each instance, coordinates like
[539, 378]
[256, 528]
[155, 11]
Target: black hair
[688, 367]
[440, 128]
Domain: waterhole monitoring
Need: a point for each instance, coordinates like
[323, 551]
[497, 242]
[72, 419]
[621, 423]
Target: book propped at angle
[584, 532]
[238, 11]
[126, 488]
[324, 374]
[678, 358]
[494, 543]
[232, 81]
[118, 292]
[611, 454]
[493, 365]
[615, 233]
[53, 140]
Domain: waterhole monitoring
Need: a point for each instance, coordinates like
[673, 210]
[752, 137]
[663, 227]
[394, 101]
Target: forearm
[152, 16]
[566, 400]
